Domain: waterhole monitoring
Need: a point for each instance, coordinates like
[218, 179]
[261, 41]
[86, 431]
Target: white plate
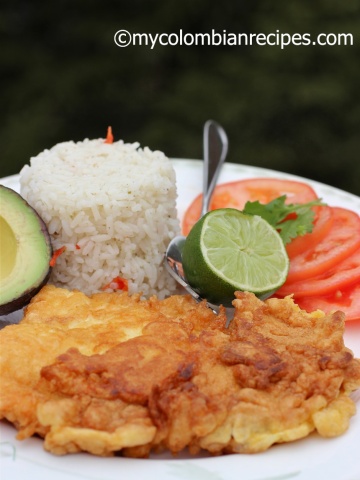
[311, 458]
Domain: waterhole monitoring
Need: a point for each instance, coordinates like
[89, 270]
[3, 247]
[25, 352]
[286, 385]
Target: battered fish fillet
[112, 373]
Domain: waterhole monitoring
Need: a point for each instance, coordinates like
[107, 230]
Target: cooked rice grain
[114, 208]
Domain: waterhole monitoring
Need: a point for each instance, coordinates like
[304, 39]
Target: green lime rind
[228, 250]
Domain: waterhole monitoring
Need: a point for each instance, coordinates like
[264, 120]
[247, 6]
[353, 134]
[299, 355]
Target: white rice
[113, 206]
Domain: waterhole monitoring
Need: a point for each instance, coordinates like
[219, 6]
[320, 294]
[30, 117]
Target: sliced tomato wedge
[343, 274]
[342, 240]
[346, 300]
[236, 194]
[322, 224]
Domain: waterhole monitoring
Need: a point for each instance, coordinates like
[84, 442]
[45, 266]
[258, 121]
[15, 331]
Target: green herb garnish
[291, 221]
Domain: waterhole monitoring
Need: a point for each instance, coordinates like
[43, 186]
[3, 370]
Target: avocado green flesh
[25, 252]
[8, 249]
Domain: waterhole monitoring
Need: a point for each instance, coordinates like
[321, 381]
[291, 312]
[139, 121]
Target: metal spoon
[215, 145]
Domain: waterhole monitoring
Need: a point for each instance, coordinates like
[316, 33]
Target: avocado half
[25, 252]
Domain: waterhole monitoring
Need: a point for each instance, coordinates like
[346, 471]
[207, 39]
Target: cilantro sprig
[290, 220]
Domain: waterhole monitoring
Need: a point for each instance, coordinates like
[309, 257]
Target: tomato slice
[346, 300]
[342, 240]
[236, 194]
[343, 274]
[322, 224]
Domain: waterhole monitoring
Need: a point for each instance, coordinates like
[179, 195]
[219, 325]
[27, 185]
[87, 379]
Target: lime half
[228, 250]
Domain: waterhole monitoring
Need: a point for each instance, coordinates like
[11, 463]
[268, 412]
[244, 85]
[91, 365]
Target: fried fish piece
[114, 373]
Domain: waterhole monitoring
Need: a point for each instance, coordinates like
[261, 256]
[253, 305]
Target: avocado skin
[24, 298]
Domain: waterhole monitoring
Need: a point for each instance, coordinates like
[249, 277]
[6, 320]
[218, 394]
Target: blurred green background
[295, 109]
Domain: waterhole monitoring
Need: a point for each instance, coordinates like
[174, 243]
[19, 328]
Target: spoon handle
[215, 151]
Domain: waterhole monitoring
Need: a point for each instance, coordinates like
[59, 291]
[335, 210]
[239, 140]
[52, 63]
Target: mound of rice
[113, 206]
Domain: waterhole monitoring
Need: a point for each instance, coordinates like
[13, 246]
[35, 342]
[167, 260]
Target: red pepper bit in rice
[109, 136]
[56, 255]
[77, 247]
[117, 283]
